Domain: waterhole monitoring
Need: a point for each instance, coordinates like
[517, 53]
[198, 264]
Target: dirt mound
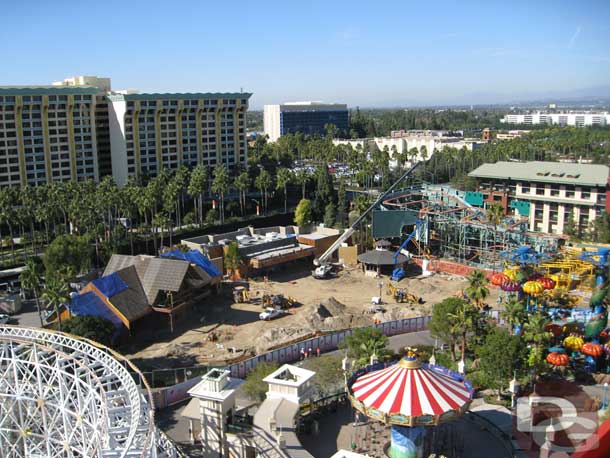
[333, 306]
[329, 315]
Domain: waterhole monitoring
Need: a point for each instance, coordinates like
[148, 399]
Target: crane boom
[348, 232]
[418, 224]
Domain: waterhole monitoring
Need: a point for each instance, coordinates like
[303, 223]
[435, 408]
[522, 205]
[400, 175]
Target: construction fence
[172, 394]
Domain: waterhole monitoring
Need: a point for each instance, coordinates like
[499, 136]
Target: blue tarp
[110, 285]
[89, 304]
[195, 257]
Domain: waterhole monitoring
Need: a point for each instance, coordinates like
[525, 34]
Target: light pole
[380, 284]
[605, 396]
[514, 387]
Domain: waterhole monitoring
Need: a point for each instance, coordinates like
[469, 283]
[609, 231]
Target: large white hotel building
[576, 119]
[79, 129]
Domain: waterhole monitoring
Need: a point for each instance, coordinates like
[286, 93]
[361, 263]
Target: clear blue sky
[366, 53]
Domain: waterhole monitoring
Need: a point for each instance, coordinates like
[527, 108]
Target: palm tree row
[107, 213]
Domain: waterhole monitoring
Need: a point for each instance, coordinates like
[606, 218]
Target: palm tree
[477, 290]
[242, 183]
[196, 187]
[220, 185]
[368, 348]
[30, 279]
[263, 182]
[534, 333]
[464, 321]
[284, 177]
[302, 177]
[55, 293]
[494, 215]
[514, 313]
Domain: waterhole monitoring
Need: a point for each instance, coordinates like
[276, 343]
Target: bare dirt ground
[240, 332]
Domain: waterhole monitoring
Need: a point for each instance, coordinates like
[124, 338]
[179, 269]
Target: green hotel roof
[546, 172]
[179, 96]
[49, 90]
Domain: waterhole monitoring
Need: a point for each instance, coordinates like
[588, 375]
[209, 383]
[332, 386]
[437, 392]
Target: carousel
[410, 397]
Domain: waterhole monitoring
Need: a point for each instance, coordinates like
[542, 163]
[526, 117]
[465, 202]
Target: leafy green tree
[364, 343]
[477, 289]
[325, 192]
[211, 217]
[254, 387]
[90, 327]
[30, 280]
[441, 326]
[303, 214]
[196, 188]
[571, 228]
[232, 258]
[55, 293]
[72, 251]
[329, 374]
[341, 205]
[284, 178]
[220, 185]
[330, 214]
[499, 356]
[600, 230]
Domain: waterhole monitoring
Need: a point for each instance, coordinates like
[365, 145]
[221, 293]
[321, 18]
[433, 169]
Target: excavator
[324, 268]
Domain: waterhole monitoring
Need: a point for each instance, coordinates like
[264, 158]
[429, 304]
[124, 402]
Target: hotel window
[540, 190]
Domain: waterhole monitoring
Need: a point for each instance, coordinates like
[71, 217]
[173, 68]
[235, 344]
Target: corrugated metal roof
[547, 172]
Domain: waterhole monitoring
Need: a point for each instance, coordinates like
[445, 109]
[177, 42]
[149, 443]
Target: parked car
[270, 314]
[4, 318]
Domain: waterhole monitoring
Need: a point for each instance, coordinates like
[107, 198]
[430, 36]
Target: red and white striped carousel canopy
[408, 389]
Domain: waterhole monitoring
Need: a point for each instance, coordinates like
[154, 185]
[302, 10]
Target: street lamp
[380, 284]
[514, 388]
[605, 396]
[461, 366]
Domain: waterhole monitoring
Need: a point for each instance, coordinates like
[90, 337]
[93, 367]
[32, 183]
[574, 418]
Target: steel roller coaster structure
[63, 396]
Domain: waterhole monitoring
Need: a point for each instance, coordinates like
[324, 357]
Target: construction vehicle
[241, 295]
[277, 301]
[399, 273]
[323, 260]
[401, 295]
[323, 271]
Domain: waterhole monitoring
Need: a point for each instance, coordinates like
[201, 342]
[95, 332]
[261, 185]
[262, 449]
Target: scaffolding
[455, 230]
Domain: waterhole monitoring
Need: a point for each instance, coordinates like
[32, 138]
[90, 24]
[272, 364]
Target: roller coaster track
[63, 396]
